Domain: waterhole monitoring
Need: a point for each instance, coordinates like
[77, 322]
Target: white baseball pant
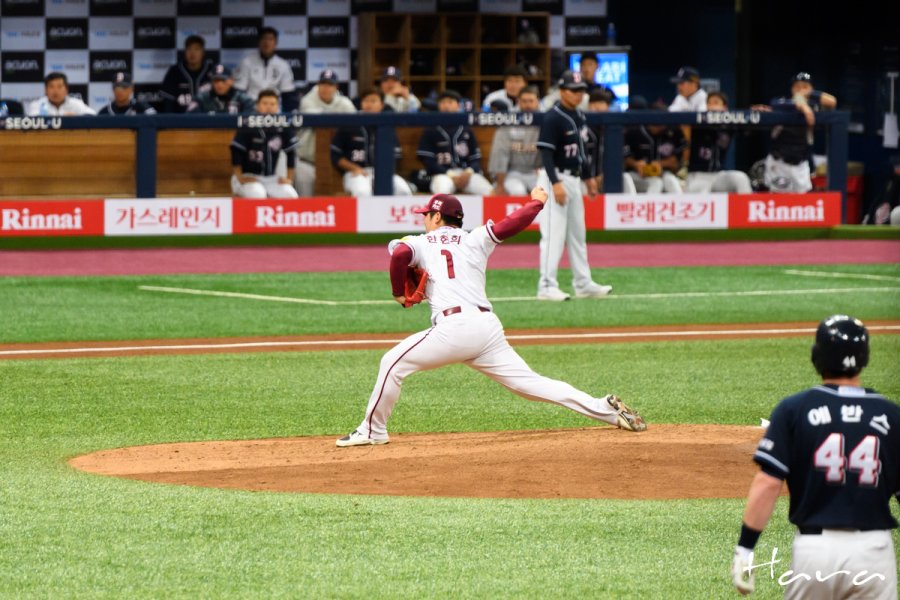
[722, 181]
[784, 177]
[518, 183]
[862, 553]
[475, 339]
[361, 185]
[305, 179]
[264, 187]
[563, 226]
[666, 183]
[443, 184]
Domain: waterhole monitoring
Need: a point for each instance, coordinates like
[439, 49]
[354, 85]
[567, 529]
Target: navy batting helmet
[842, 346]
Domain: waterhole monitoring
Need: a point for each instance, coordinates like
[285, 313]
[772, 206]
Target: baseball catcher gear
[842, 346]
[414, 286]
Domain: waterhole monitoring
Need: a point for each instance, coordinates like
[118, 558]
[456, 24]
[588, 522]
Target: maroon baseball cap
[447, 205]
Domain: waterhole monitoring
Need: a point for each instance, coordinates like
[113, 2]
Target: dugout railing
[835, 124]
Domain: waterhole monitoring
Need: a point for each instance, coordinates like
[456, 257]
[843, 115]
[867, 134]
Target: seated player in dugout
[506, 99]
[223, 98]
[652, 155]
[708, 151]
[56, 101]
[353, 152]
[255, 152]
[124, 102]
[397, 95]
[515, 159]
[452, 158]
[186, 78]
[787, 167]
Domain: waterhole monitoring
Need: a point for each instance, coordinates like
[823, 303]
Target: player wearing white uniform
[57, 102]
[464, 328]
[264, 69]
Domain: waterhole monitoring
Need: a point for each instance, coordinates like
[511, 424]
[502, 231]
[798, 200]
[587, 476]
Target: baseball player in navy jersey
[353, 152]
[452, 158]
[709, 147]
[187, 78]
[124, 102]
[254, 156]
[565, 166]
[838, 447]
[464, 328]
[223, 98]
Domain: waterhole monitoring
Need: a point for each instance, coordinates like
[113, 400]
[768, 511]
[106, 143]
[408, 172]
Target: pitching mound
[665, 462]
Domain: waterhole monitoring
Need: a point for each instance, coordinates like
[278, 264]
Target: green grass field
[68, 534]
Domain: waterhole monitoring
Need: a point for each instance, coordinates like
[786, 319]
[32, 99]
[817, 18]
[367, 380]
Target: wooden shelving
[466, 52]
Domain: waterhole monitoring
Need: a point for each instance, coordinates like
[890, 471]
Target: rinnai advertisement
[390, 214]
[665, 211]
[307, 215]
[63, 218]
[821, 209]
[168, 216]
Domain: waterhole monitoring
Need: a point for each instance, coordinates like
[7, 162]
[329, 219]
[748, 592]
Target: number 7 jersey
[456, 261]
[838, 448]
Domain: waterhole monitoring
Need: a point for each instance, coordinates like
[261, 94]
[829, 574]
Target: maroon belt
[458, 309]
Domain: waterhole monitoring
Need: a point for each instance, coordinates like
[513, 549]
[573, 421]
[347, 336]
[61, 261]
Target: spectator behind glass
[353, 152]
[452, 158]
[255, 154]
[652, 155]
[514, 155]
[323, 98]
[222, 98]
[709, 148]
[514, 81]
[264, 69]
[187, 78]
[787, 165]
[56, 101]
[397, 96]
[124, 102]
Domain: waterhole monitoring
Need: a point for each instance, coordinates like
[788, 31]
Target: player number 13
[863, 459]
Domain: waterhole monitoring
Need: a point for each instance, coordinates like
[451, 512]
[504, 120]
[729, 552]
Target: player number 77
[863, 459]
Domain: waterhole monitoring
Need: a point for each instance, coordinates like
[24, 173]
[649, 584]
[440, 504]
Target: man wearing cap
[223, 98]
[124, 102]
[324, 97]
[255, 155]
[588, 65]
[787, 165]
[266, 70]
[452, 158]
[56, 101]
[187, 78]
[353, 152]
[691, 97]
[397, 96]
[464, 327]
[567, 173]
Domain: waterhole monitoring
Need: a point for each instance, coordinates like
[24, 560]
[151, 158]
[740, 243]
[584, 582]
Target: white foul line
[836, 275]
[522, 337]
[844, 290]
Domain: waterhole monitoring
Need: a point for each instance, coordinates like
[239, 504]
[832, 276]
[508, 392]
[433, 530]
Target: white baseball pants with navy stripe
[562, 226]
[476, 339]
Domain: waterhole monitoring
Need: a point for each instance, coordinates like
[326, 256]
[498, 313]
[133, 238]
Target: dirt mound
[665, 462]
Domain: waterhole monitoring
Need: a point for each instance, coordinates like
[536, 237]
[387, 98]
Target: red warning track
[163, 261]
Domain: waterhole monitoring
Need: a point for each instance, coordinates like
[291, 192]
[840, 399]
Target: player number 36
[829, 457]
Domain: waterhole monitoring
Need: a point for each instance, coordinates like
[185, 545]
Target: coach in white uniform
[266, 70]
[56, 102]
[464, 328]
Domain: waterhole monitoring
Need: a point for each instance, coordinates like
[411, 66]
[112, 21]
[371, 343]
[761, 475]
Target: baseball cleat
[358, 439]
[553, 295]
[626, 418]
[594, 290]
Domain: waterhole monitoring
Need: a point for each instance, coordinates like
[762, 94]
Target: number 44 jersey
[838, 448]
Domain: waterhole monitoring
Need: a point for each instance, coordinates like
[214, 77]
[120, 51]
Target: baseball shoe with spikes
[358, 439]
[626, 417]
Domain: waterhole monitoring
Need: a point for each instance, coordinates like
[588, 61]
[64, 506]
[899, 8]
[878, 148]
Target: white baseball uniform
[464, 330]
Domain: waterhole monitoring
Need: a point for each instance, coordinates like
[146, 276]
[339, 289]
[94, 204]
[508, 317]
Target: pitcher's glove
[414, 286]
